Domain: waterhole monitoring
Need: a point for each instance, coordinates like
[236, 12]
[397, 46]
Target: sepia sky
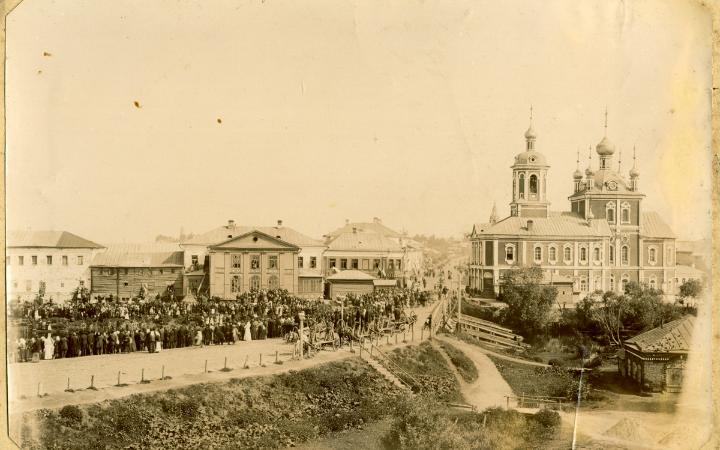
[411, 111]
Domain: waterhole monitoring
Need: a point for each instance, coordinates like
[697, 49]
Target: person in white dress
[49, 347]
[248, 335]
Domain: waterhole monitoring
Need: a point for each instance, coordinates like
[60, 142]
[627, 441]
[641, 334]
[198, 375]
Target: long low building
[126, 271]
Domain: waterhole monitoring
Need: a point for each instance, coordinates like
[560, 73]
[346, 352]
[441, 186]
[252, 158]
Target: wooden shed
[350, 282]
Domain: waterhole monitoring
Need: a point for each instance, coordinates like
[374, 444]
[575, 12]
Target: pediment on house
[255, 240]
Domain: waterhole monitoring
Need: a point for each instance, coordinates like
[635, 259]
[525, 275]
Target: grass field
[464, 365]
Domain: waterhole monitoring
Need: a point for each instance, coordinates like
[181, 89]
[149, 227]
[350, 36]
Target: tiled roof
[364, 242]
[558, 224]
[140, 255]
[223, 233]
[652, 225]
[368, 227]
[57, 239]
[351, 275]
[673, 336]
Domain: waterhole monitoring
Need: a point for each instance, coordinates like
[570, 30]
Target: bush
[465, 366]
[556, 363]
[547, 418]
[71, 413]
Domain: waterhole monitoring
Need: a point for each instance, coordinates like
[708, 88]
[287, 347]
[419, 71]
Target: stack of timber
[491, 332]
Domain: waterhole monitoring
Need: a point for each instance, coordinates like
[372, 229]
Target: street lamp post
[301, 315]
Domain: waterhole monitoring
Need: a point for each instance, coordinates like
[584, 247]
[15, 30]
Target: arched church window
[533, 184]
[612, 254]
[612, 282]
[610, 212]
[552, 253]
[652, 256]
[583, 254]
[567, 253]
[522, 185]
[625, 213]
[625, 281]
[653, 283]
[625, 254]
[538, 254]
[596, 254]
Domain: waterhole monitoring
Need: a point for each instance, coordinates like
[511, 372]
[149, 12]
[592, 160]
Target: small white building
[57, 262]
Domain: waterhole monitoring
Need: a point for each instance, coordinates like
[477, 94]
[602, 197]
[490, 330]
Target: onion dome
[605, 147]
[589, 172]
[634, 173]
[530, 133]
[577, 174]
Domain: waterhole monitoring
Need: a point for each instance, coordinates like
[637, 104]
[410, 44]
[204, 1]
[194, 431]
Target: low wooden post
[387, 339]
[246, 362]
[507, 402]
[422, 333]
[68, 388]
[142, 375]
[261, 364]
[277, 361]
[206, 366]
[404, 338]
[118, 383]
[225, 364]
[412, 332]
[39, 390]
[92, 381]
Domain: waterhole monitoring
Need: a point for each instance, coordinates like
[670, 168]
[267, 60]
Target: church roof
[530, 157]
[558, 224]
[652, 225]
[48, 239]
[672, 337]
[225, 232]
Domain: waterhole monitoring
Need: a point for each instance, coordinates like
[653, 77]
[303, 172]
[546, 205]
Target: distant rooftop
[231, 230]
[672, 337]
[48, 239]
[140, 255]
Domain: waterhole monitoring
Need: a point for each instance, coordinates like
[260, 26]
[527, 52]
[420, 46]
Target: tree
[608, 311]
[690, 289]
[529, 301]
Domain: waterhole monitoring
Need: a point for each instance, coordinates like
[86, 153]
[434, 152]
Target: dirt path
[490, 389]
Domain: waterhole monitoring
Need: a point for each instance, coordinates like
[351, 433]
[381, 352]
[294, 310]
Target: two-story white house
[56, 262]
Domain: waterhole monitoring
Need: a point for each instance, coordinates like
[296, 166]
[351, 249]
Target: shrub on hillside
[465, 366]
[547, 418]
[556, 362]
[71, 413]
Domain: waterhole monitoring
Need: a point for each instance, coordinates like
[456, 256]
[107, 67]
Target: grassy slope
[465, 367]
[263, 412]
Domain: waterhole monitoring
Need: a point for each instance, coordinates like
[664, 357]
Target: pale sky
[411, 111]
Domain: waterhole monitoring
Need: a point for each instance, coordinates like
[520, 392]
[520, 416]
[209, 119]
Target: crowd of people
[106, 326]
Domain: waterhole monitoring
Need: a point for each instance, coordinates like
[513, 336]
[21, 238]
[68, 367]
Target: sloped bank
[263, 412]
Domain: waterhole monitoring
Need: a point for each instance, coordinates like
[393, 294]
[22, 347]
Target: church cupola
[605, 149]
[577, 175]
[634, 174]
[530, 179]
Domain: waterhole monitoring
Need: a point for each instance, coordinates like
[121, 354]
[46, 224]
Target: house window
[366, 264]
[596, 254]
[21, 260]
[625, 213]
[567, 253]
[194, 260]
[235, 284]
[333, 262]
[538, 254]
[391, 265]
[162, 272]
[313, 262]
[64, 260]
[625, 281]
[612, 254]
[255, 282]
[255, 262]
[397, 264]
[552, 254]
[583, 254]
[610, 212]
[236, 261]
[300, 262]
[612, 282]
[376, 263]
[273, 262]
[34, 260]
[625, 255]
[28, 285]
[583, 285]
[652, 256]
[79, 260]
[48, 259]
[653, 283]
[273, 282]
[509, 254]
[355, 264]
[343, 264]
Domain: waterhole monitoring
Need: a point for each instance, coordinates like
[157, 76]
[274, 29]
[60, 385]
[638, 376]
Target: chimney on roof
[530, 225]
[377, 220]
[355, 230]
[231, 223]
[347, 221]
[279, 222]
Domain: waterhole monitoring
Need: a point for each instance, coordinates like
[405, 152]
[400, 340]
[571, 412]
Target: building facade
[55, 262]
[251, 261]
[374, 249]
[309, 270]
[128, 271]
[606, 239]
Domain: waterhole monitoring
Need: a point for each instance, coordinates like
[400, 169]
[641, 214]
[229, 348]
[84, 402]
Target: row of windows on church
[624, 212]
[567, 254]
[533, 185]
